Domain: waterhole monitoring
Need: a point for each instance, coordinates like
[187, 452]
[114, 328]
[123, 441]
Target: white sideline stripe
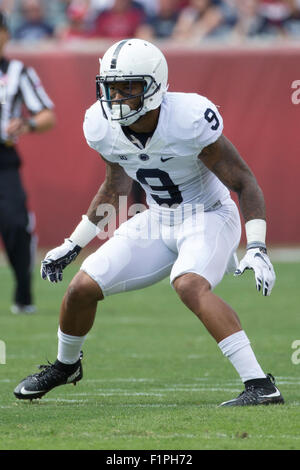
[201, 436]
[19, 356]
[286, 255]
[237, 383]
[290, 379]
[229, 387]
[283, 254]
[64, 400]
[167, 389]
[206, 436]
[155, 394]
[120, 380]
[125, 394]
[161, 436]
[105, 405]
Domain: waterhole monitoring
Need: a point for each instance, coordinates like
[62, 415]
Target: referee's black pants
[16, 232]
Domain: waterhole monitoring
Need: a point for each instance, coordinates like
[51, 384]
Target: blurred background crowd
[180, 21]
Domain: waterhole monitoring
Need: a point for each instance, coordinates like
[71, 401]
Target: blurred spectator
[120, 21]
[150, 6]
[184, 20]
[295, 7]
[100, 5]
[274, 14]
[77, 26]
[248, 19]
[198, 20]
[162, 24]
[292, 25]
[7, 6]
[65, 3]
[54, 12]
[35, 26]
[256, 18]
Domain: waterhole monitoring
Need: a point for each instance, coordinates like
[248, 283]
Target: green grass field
[153, 376]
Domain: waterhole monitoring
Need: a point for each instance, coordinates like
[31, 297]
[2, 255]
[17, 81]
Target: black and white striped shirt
[19, 86]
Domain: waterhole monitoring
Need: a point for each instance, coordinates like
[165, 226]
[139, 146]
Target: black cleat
[51, 375]
[257, 392]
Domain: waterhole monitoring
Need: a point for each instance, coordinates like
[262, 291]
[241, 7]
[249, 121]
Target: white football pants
[145, 250]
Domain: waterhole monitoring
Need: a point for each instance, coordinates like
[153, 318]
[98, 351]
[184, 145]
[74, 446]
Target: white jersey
[168, 167]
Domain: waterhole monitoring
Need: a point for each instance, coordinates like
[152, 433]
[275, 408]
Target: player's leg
[216, 315]
[82, 295]
[123, 263]
[215, 239]
[194, 278]
[130, 260]
[18, 238]
[222, 323]
[76, 319]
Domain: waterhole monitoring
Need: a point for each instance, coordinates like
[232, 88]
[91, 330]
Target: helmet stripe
[114, 59]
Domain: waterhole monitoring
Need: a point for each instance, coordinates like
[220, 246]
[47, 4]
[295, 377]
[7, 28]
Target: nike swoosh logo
[258, 255]
[275, 394]
[30, 392]
[73, 376]
[166, 159]
[228, 401]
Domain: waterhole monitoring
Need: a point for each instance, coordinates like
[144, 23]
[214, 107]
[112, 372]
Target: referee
[20, 89]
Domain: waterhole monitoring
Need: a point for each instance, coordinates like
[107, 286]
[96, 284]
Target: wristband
[84, 232]
[31, 124]
[256, 233]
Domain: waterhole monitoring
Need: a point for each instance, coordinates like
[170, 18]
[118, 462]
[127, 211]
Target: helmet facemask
[119, 109]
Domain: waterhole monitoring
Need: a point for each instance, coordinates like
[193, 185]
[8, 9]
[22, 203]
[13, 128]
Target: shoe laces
[45, 367]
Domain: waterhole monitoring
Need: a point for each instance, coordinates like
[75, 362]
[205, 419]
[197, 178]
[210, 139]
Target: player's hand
[258, 260]
[57, 259]
[16, 128]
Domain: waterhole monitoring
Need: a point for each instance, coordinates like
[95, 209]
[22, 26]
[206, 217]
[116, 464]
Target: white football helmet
[132, 60]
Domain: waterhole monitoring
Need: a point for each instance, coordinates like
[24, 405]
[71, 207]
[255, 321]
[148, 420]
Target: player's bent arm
[116, 184]
[223, 159]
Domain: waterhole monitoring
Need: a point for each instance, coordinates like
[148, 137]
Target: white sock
[238, 350]
[69, 347]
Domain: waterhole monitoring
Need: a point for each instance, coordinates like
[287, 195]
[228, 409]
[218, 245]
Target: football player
[173, 145]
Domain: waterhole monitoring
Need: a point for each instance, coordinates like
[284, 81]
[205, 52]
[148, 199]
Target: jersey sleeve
[95, 129]
[33, 93]
[208, 125]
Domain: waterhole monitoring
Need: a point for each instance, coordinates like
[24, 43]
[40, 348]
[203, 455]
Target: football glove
[258, 260]
[57, 259]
